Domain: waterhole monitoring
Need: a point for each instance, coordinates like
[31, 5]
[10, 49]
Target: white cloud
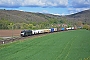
[80, 3]
[63, 14]
[33, 3]
[44, 11]
[46, 3]
[75, 10]
[56, 14]
[9, 3]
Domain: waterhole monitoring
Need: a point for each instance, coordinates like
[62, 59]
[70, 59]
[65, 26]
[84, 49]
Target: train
[25, 33]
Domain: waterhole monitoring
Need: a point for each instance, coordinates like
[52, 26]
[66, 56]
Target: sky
[56, 7]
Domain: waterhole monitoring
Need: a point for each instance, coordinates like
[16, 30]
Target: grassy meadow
[68, 45]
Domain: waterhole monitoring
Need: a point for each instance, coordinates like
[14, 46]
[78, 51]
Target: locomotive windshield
[22, 31]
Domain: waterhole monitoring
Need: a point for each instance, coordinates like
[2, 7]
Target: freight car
[71, 28]
[47, 30]
[34, 32]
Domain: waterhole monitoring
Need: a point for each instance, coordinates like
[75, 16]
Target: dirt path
[9, 33]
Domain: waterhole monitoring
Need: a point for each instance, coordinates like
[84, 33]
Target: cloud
[44, 11]
[75, 10]
[9, 3]
[33, 3]
[76, 6]
[80, 3]
[56, 14]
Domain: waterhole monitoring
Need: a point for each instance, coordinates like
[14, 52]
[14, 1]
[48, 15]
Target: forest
[6, 24]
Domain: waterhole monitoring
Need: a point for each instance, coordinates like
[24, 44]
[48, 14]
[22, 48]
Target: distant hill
[21, 16]
[83, 16]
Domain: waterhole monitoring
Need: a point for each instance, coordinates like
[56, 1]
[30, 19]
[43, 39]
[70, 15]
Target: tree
[10, 26]
[17, 25]
[86, 27]
[30, 26]
[25, 25]
[4, 24]
[89, 27]
[79, 24]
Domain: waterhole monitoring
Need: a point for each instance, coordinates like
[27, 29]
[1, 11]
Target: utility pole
[12, 32]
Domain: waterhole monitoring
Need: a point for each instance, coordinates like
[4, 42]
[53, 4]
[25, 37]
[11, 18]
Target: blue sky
[57, 7]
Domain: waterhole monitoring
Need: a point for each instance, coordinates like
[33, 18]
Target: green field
[69, 45]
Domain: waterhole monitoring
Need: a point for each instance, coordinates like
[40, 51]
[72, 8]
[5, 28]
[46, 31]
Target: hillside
[21, 19]
[20, 16]
[83, 16]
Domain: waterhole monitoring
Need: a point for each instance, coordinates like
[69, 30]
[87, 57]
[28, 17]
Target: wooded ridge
[21, 19]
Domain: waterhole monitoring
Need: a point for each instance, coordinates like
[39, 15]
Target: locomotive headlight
[22, 33]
